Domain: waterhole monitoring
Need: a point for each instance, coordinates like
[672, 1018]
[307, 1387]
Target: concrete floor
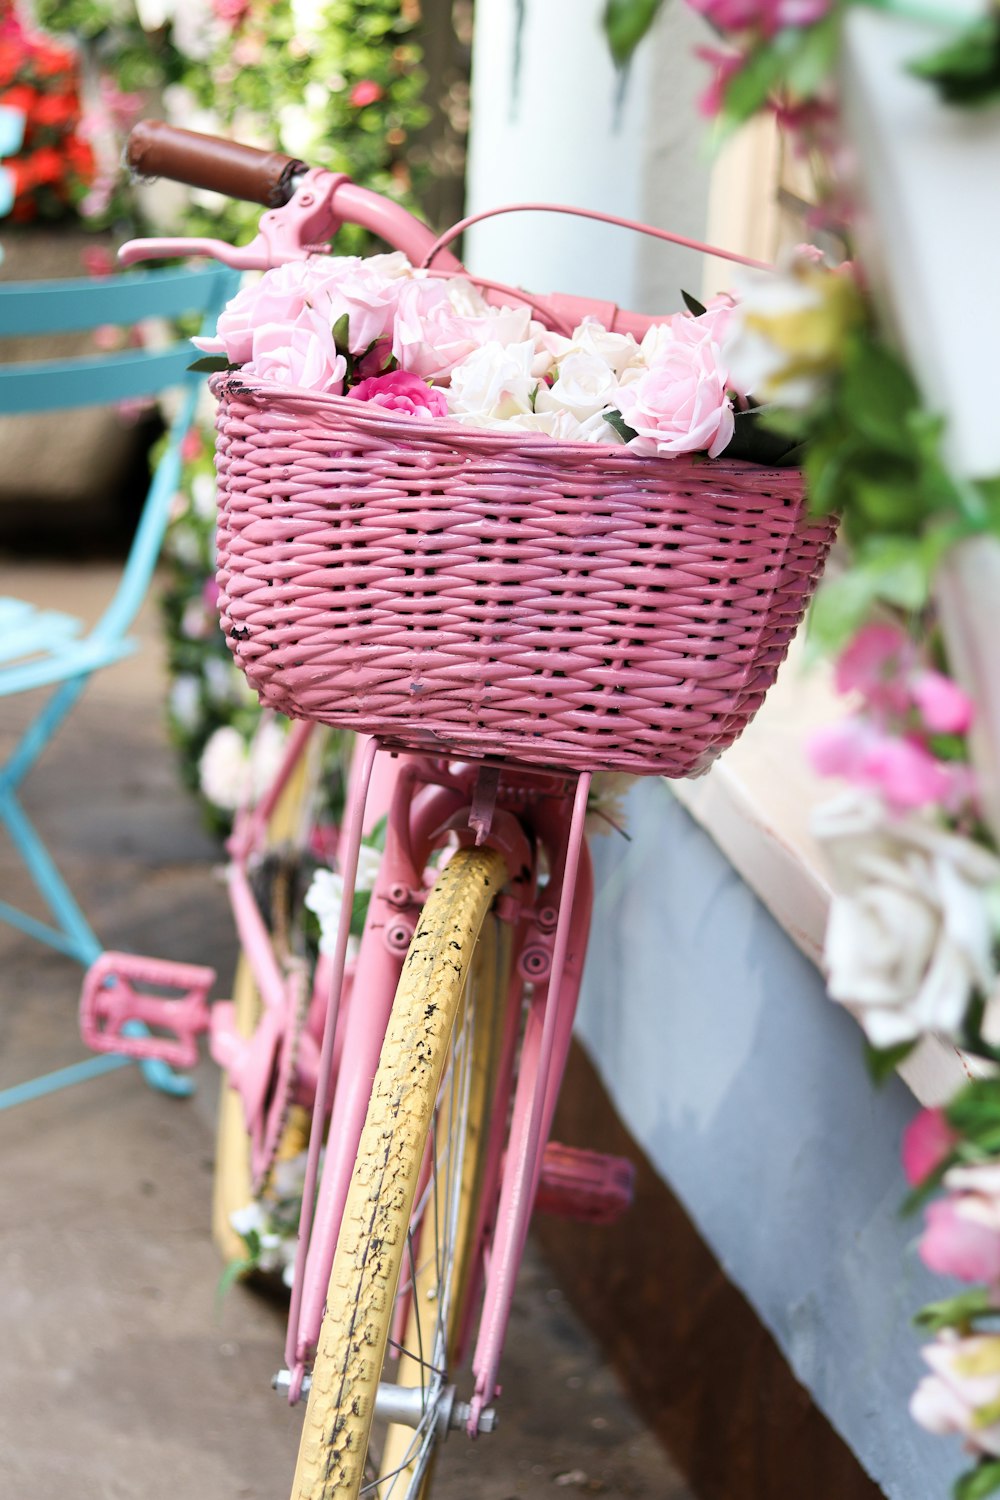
[124, 1376]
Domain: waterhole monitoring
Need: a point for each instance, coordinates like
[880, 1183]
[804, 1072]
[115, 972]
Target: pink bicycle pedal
[110, 1002]
[585, 1185]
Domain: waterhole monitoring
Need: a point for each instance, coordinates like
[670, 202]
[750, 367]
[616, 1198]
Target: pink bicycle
[499, 617]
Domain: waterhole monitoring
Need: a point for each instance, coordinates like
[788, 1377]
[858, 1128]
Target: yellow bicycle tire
[375, 1235]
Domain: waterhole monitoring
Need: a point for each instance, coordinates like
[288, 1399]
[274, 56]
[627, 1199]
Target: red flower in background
[38, 77]
[365, 92]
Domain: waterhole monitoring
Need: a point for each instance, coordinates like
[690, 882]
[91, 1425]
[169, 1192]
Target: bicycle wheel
[427, 1126]
[233, 1183]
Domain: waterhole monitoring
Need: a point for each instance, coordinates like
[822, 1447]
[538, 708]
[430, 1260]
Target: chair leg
[76, 938]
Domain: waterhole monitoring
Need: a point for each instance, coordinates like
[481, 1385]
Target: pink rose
[680, 404]
[365, 92]
[404, 392]
[767, 16]
[905, 773]
[943, 706]
[440, 323]
[927, 1142]
[962, 1237]
[875, 663]
[301, 353]
[278, 297]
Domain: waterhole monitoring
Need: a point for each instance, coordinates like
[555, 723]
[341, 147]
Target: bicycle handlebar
[156, 149]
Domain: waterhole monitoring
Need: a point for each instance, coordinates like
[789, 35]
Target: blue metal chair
[48, 649]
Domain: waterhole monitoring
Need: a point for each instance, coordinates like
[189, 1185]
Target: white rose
[494, 381]
[909, 933]
[185, 700]
[267, 748]
[584, 385]
[616, 350]
[962, 1394]
[224, 769]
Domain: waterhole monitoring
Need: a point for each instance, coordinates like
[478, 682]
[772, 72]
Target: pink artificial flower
[680, 404]
[440, 323]
[875, 664]
[904, 773]
[942, 705]
[927, 1142]
[955, 1244]
[767, 16]
[300, 353]
[726, 65]
[231, 12]
[403, 392]
[192, 445]
[97, 261]
[365, 92]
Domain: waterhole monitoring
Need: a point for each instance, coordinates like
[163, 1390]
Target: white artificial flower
[187, 547]
[224, 769]
[185, 700]
[494, 381]
[616, 350]
[301, 129]
[584, 386]
[248, 1220]
[309, 17]
[197, 30]
[153, 14]
[909, 936]
[325, 898]
[789, 328]
[369, 860]
[267, 749]
[223, 680]
[203, 496]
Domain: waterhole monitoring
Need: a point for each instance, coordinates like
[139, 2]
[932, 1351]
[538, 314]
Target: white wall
[552, 120]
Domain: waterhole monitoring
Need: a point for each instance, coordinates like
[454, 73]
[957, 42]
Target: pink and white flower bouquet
[429, 347]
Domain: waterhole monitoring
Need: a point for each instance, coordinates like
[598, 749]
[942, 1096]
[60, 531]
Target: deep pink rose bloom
[403, 392]
[927, 1141]
[955, 1245]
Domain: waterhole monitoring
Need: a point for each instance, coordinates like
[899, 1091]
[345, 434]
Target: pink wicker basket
[478, 592]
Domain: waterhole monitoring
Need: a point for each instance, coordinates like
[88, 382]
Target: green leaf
[758, 442]
[212, 364]
[877, 393]
[625, 23]
[967, 70]
[233, 1272]
[617, 421]
[359, 912]
[979, 1482]
[749, 90]
[956, 1312]
[692, 304]
[883, 1061]
[376, 839]
[812, 58]
[341, 334]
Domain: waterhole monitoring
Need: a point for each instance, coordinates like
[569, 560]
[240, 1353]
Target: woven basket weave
[481, 592]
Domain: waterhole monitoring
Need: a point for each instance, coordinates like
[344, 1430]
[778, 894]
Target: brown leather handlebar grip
[155, 149]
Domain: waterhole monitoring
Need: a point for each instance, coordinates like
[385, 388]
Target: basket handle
[588, 213]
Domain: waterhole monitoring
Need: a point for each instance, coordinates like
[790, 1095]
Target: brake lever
[304, 225]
